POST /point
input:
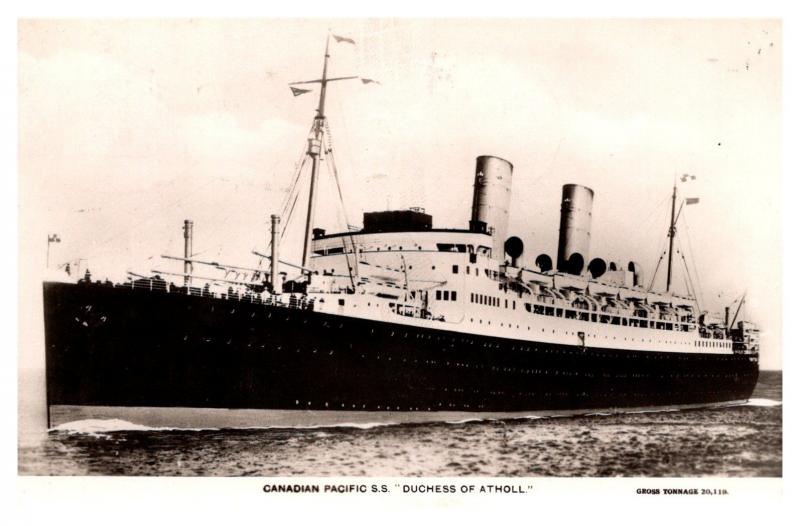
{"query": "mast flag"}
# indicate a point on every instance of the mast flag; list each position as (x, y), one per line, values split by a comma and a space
(299, 91)
(692, 200)
(343, 39)
(368, 81)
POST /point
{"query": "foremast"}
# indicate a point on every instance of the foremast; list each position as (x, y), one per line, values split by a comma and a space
(315, 150)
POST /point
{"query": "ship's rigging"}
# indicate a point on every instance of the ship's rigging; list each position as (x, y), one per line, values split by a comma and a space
(319, 151)
(319, 148)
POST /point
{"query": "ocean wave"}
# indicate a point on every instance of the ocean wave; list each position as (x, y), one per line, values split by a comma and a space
(468, 420)
(763, 402)
(102, 427)
(360, 425)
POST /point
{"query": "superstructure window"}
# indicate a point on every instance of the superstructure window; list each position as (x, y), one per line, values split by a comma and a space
(453, 296)
(447, 295)
(438, 294)
(449, 247)
(455, 269)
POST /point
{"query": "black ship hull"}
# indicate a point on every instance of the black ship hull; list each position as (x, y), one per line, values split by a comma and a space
(110, 346)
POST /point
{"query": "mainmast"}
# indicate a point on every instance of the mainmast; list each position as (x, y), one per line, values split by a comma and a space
(671, 235)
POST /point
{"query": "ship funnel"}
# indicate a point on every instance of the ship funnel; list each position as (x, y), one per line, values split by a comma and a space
(574, 233)
(490, 200)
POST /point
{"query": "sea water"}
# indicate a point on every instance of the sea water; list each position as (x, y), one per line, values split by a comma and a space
(740, 441)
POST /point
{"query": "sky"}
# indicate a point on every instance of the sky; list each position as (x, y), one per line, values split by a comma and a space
(126, 128)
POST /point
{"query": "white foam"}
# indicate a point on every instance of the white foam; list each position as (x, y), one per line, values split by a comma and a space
(361, 425)
(468, 420)
(763, 402)
(96, 426)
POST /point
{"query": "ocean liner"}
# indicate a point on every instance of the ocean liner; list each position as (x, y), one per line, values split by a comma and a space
(395, 321)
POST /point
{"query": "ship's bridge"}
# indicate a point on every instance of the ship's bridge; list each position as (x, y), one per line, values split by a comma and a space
(400, 245)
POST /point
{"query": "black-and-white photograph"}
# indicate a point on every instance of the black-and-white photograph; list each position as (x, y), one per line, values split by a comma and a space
(400, 247)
